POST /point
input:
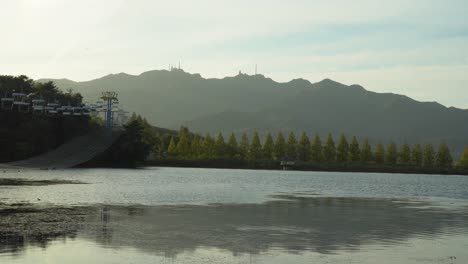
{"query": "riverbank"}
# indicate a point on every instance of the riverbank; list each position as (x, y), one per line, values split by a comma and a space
(302, 166)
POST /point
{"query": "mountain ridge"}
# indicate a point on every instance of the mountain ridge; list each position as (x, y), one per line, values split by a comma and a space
(244, 103)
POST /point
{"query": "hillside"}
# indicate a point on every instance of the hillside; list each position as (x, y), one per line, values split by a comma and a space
(246, 103)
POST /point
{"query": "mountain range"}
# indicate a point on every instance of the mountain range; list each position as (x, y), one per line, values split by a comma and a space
(247, 103)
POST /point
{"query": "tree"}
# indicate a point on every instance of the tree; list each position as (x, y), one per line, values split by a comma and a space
(329, 151)
(417, 156)
(379, 155)
(443, 157)
(232, 147)
(171, 149)
(404, 155)
(391, 156)
(291, 146)
(130, 147)
(366, 152)
(316, 149)
(342, 150)
(183, 146)
(303, 148)
(255, 150)
(268, 148)
(220, 147)
(428, 156)
(354, 151)
(280, 146)
(463, 162)
(207, 147)
(195, 147)
(244, 146)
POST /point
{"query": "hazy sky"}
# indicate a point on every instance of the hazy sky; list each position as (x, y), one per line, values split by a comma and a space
(418, 47)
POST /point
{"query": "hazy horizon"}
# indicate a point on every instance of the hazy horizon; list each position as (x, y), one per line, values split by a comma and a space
(419, 49)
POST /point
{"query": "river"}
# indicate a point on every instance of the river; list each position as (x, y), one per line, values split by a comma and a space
(183, 215)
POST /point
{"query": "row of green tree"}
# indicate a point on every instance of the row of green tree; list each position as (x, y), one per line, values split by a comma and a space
(36, 90)
(190, 146)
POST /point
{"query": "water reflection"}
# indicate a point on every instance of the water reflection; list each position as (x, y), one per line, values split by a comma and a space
(293, 223)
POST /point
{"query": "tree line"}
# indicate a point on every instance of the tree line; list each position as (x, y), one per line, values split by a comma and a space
(191, 146)
(35, 90)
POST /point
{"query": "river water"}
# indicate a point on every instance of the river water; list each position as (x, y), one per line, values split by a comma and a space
(175, 215)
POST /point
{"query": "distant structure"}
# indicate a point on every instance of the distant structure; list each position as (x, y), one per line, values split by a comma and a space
(110, 98)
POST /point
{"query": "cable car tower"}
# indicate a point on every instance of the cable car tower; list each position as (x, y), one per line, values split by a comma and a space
(110, 98)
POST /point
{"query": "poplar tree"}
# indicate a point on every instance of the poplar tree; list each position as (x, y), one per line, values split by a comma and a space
(379, 155)
(417, 156)
(404, 155)
(354, 151)
(303, 148)
(171, 149)
(366, 151)
(428, 156)
(329, 151)
(195, 147)
(342, 150)
(255, 150)
(443, 157)
(232, 147)
(244, 146)
(183, 146)
(268, 148)
(391, 156)
(207, 147)
(220, 147)
(463, 162)
(316, 149)
(291, 146)
(280, 146)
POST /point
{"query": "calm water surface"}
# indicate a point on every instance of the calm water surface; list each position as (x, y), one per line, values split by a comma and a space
(172, 215)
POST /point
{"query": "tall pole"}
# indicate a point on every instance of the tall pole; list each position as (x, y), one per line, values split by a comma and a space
(109, 98)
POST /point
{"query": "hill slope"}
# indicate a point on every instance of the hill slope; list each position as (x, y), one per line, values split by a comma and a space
(246, 103)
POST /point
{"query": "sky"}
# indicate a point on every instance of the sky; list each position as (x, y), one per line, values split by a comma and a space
(418, 48)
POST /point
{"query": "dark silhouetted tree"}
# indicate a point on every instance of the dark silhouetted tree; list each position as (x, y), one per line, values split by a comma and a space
(232, 147)
(280, 146)
(303, 148)
(391, 156)
(443, 157)
(329, 151)
(379, 155)
(220, 147)
(354, 151)
(291, 146)
(268, 148)
(342, 150)
(366, 151)
(417, 156)
(404, 155)
(244, 146)
(428, 156)
(463, 162)
(316, 149)
(255, 150)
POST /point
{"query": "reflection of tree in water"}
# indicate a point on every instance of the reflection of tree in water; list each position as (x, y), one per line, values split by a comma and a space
(295, 224)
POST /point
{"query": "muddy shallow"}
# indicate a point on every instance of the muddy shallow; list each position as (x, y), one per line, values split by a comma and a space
(289, 226)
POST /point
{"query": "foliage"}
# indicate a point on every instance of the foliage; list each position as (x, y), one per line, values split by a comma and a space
(304, 148)
(268, 148)
(379, 155)
(329, 150)
(354, 151)
(291, 146)
(443, 157)
(391, 156)
(316, 149)
(428, 156)
(342, 150)
(404, 155)
(280, 146)
(255, 149)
